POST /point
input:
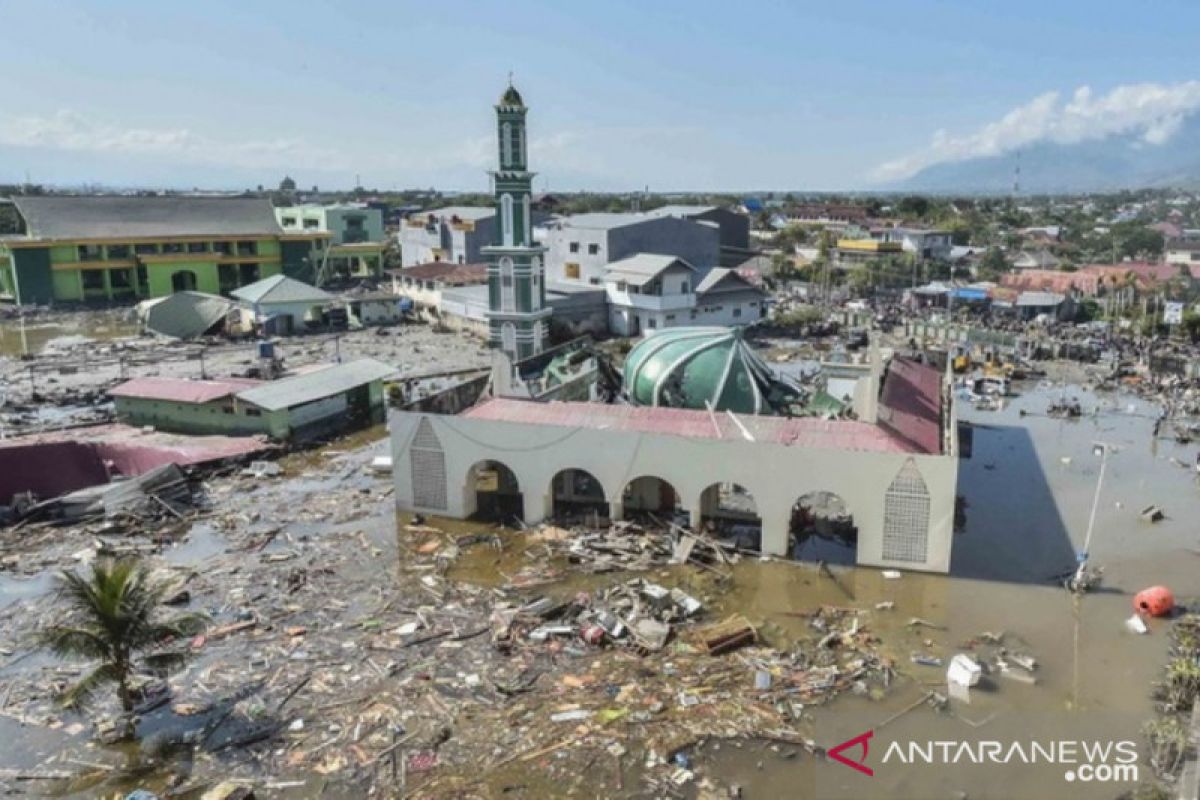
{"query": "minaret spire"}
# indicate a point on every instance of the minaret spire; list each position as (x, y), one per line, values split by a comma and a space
(517, 313)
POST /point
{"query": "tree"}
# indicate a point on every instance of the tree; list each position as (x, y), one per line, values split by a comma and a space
(993, 264)
(115, 617)
(913, 206)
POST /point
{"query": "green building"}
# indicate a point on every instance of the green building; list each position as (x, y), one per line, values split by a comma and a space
(314, 403)
(517, 312)
(357, 240)
(75, 249)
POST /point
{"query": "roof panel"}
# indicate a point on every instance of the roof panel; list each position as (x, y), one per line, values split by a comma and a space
(807, 432)
(317, 385)
(115, 217)
(181, 390)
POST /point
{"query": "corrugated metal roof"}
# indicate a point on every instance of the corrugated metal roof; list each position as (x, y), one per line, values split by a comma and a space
(181, 390)
(641, 268)
(300, 389)
(114, 217)
(281, 289)
(185, 314)
(911, 404)
(809, 432)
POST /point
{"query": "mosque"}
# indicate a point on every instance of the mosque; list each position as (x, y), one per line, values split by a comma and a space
(702, 432)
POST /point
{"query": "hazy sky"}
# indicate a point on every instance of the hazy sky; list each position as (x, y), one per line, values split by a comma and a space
(688, 95)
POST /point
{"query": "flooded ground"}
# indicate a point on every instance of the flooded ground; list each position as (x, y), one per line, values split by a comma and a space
(1029, 488)
(20, 337)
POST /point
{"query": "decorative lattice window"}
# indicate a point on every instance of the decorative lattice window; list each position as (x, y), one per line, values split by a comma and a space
(427, 461)
(906, 517)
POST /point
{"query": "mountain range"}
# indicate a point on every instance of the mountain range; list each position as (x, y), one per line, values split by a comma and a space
(1114, 163)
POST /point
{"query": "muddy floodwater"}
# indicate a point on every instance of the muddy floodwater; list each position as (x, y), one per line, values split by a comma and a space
(20, 337)
(1028, 486)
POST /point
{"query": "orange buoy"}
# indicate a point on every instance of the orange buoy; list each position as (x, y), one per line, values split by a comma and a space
(1157, 601)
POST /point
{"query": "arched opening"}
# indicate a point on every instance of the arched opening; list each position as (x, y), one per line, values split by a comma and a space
(183, 281)
(577, 494)
(651, 497)
(729, 511)
(496, 492)
(822, 529)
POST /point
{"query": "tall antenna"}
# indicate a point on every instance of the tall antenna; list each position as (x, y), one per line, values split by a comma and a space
(1016, 189)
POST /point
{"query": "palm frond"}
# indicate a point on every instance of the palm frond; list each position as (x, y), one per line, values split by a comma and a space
(84, 690)
(69, 641)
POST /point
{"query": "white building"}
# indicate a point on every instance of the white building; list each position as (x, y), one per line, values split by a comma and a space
(648, 292)
(455, 235)
(925, 243)
(1182, 251)
(580, 248)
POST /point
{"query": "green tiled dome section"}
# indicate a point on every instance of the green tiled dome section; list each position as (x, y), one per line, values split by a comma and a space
(692, 367)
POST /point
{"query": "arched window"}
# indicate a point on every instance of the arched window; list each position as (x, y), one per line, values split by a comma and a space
(508, 291)
(525, 218)
(506, 218)
(506, 145)
(508, 338)
(520, 146)
(906, 516)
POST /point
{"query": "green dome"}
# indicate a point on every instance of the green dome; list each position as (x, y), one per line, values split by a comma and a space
(693, 367)
(511, 97)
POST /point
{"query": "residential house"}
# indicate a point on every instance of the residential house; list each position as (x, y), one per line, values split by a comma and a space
(114, 248)
(1036, 259)
(424, 283)
(649, 292)
(1182, 251)
(291, 304)
(455, 235)
(581, 247)
(926, 244)
(356, 242)
(724, 297)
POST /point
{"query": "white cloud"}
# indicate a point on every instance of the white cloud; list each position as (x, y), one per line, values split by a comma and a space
(1152, 112)
(68, 130)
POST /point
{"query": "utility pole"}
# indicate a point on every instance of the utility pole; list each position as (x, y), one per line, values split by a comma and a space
(1079, 579)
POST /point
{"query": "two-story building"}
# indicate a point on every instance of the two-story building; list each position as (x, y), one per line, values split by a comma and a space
(926, 244)
(113, 248)
(356, 239)
(734, 228)
(581, 248)
(453, 235)
(648, 292)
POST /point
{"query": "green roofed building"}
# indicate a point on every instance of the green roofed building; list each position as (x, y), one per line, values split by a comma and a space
(702, 368)
(73, 249)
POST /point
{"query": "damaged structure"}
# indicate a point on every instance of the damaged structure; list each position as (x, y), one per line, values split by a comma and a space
(893, 468)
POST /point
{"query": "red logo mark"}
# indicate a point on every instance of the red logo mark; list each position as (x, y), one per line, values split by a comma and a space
(863, 739)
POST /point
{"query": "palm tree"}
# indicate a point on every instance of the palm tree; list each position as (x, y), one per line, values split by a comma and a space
(114, 617)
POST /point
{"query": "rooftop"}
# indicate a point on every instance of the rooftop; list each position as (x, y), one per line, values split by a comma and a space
(641, 268)
(181, 390)
(281, 289)
(64, 217)
(473, 213)
(603, 221)
(807, 432)
(446, 272)
(316, 385)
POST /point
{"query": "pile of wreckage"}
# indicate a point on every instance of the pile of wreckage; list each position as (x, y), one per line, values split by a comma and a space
(163, 492)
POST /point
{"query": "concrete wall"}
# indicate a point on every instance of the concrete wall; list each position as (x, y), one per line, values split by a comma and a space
(776, 475)
(695, 242)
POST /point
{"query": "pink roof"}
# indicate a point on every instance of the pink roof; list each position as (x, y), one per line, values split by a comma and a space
(181, 390)
(808, 432)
